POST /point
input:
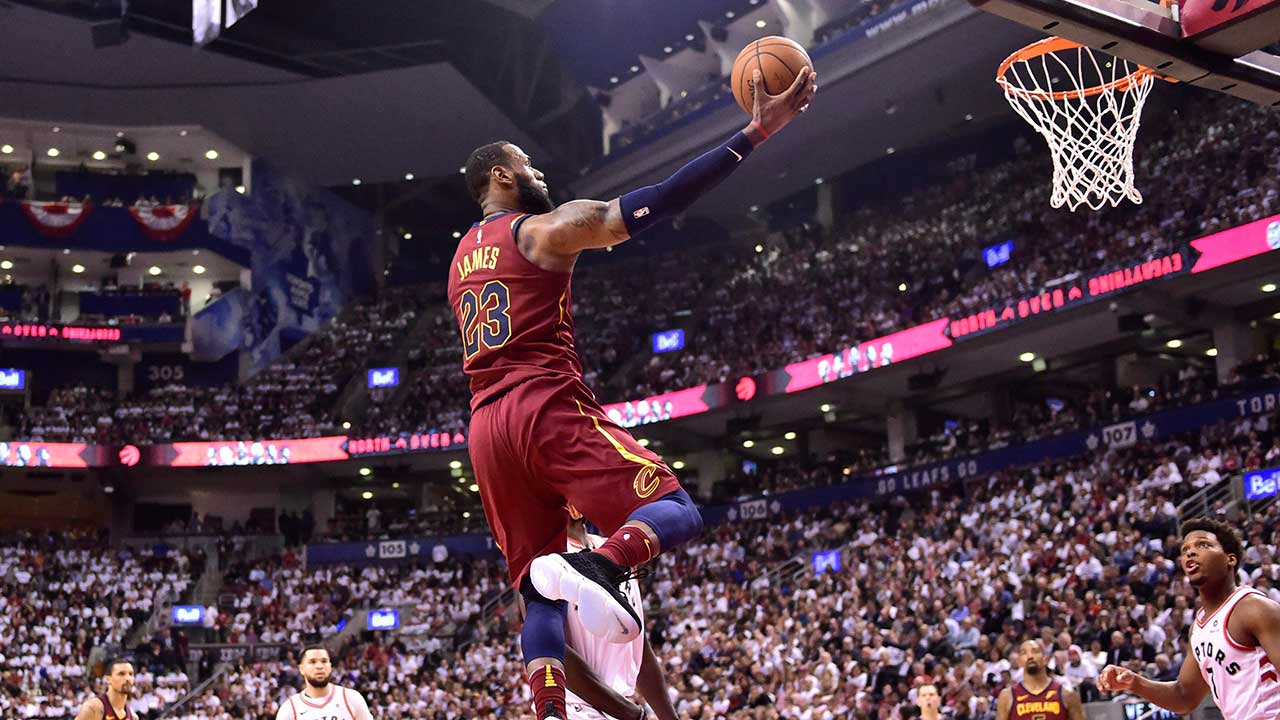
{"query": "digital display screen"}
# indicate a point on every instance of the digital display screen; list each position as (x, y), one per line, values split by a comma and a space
(60, 332)
(256, 452)
(384, 377)
(1261, 484)
(828, 561)
(187, 614)
(1135, 710)
(383, 619)
(668, 341)
(997, 255)
(13, 379)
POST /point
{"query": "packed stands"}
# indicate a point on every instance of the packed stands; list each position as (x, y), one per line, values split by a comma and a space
(68, 594)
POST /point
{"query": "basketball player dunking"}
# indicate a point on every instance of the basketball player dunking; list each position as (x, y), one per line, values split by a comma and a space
(1235, 640)
(1037, 697)
(538, 438)
(114, 703)
(321, 699)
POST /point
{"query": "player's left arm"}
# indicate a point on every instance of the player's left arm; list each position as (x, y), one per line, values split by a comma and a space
(587, 224)
(652, 685)
(1260, 620)
(1075, 708)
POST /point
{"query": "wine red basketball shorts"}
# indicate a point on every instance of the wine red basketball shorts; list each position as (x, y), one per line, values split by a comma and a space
(545, 443)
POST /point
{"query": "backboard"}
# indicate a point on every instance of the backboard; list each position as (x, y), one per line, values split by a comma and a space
(1213, 44)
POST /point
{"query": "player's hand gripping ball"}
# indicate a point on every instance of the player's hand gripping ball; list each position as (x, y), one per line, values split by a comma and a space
(773, 79)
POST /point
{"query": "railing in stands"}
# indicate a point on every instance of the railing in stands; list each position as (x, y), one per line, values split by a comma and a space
(195, 692)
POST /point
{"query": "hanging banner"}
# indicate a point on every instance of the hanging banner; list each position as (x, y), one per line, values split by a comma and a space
(237, 9)
(164, 223)
(55, 219)
(206, 21)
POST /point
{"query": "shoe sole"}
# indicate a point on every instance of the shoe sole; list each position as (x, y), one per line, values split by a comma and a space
(554, 578)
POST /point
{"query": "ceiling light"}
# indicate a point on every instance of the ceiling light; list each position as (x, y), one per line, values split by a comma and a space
(678, 465)
(818, 181)
(463, 170)
(198, 269)
(1276, 316)
(154, 270)
(635, 68)
(466, 514)
(968, 116)
(1027, 357)
(614, 79)
(754, 208)
(455, 464)
(689, 37)
(777, 450)
(728, 14)
(473, 487)
(902, 287)
(153, 156)
(1173, 344)
(759, 248)
(346, 425)
(395, 486)
(240, 189)
(99, 155)
(825, 407)
(791, 435)
(889, 151)
(119, 133)
(1211, 352)
(666, 49)
(456, 234)
(355, 181)
(408, 236)
(66, 251)
(408, 176)
(366, 472)
(183, 133)
(847, 471)
(644, 442)
(53, 152)
(684, 93)
(57, 129)
(6, 264)
(211, 154)
(7, 149)
(195, 252)
(1269, 287)
(77, 268)
(748, 444)
(761, 23)
(366, 495)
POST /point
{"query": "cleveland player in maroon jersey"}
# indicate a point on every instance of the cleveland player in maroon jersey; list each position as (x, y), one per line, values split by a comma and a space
(1038, 696)
(114, 703)
(538, 437)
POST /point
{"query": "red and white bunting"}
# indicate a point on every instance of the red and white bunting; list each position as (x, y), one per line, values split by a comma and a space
(55, 219)
(164, 223)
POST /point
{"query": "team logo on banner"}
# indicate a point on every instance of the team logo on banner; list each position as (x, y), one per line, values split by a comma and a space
(164, 223)
(55, 219)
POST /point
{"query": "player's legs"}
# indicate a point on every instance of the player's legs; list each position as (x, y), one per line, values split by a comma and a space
(527, 519)
(622, 488)
(543, 644)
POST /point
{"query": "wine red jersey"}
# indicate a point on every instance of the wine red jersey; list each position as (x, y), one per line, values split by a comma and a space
(516, 318)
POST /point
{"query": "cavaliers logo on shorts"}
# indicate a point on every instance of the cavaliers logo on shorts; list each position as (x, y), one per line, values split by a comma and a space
(647, 481)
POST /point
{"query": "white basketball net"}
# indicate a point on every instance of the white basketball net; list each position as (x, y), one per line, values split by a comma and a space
(1089, 117)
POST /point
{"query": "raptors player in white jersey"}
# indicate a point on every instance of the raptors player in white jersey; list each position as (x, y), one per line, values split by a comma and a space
(602, 675)
(321, 699)
(1235, 640)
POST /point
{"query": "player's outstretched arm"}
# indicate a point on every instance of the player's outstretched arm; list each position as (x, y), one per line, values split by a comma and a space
(652, 685)
(1180, 696)
(90, 709)
(587, 224)
(584, 683)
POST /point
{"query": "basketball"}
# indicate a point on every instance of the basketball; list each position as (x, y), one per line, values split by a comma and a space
(779, 61)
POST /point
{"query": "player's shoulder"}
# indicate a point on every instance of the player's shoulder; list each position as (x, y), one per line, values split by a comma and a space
(93, 702)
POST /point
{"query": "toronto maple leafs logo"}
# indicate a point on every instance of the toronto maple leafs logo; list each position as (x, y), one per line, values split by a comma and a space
(1148, 430)
(1091, 441)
